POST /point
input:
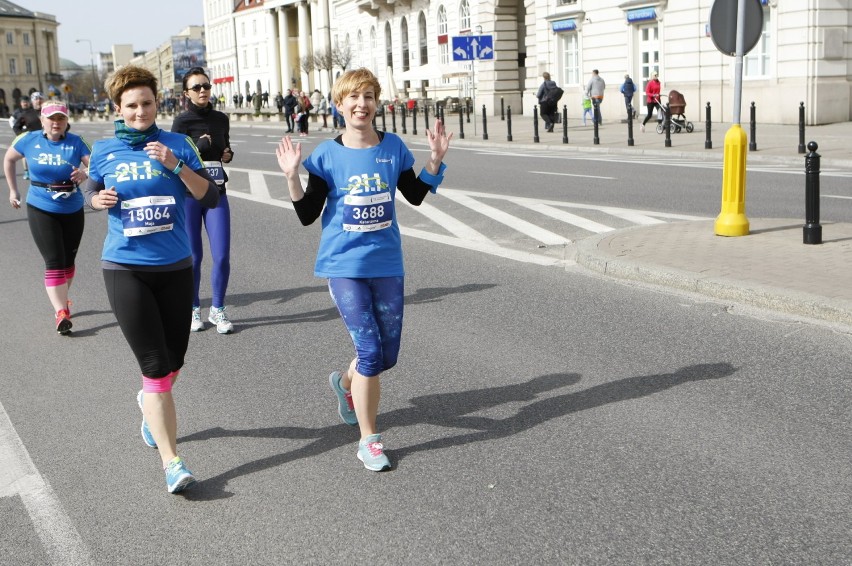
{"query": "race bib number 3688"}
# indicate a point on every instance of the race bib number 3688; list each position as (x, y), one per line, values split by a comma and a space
(367, 213)
(148, 215)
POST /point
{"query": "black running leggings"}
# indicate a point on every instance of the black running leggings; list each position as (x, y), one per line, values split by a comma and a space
(153, 309)
(652, 106)
(57, 236)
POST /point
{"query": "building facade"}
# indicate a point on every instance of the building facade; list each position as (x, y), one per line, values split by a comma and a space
(803, 52)
(29, 54)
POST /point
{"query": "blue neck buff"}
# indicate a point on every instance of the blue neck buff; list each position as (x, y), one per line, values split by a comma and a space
(135, 137)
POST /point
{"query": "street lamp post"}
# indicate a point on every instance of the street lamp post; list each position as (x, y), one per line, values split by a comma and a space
(94, 76)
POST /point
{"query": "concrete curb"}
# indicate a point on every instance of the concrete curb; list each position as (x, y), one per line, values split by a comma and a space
(590, 256)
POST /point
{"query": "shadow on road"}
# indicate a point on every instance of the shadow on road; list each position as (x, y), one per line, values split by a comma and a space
(449, 410)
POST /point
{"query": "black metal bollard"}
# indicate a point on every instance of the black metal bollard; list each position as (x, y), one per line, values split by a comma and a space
(595, 115)
(564, 124)
(812, 231)
(461, 124)
(535, 124)
(502, 110)
(404, 131)
(393, 120)
(752, 143)
(509, 123)
(384, 126)
(442, 115)
(414, 121)
(426, 115)
(801, 127)
(484, 124)
(708, 143)
(630, 126)
(467, 112)
(667, 125)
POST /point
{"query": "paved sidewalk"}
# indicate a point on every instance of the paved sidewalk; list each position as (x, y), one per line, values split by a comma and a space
(770, 268)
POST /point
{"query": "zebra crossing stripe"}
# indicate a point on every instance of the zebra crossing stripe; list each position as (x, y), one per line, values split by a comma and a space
(544, 236)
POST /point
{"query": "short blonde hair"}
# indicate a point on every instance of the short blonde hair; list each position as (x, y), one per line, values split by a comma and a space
(127, 77)
(355, 80)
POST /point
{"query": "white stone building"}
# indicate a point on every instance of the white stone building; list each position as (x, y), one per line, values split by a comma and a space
(804, 53)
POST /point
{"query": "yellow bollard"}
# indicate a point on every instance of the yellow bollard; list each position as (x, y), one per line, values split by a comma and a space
(732, 220)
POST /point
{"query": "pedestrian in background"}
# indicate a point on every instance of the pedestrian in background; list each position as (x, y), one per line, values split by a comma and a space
(628, 88)
(57, 164)
(146, 260)
(595, 89)
(652, 98)
(547, 107)
(290, 103)
(587, 108)
(210, 130)
(353, 181)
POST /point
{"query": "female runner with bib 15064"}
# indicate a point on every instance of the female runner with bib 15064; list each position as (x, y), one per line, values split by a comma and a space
(142, 176)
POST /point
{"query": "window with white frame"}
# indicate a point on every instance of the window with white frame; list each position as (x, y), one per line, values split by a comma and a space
(570, 58)
(756, 62)
(464, 16)
(359, 49)
(10, 38)
(403, 39)
(26, 38)
(421, 38)
(13, 67)
(443, 27)
(374, 49)
(388, 46)
(28, 66)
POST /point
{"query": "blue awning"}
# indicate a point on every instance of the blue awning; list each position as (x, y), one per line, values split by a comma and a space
(641, 15)
(564, 25)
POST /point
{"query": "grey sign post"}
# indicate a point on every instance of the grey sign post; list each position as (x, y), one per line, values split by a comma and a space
(735, 28)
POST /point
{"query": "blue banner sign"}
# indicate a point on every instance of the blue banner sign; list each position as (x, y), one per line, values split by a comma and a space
(641, 15)
(564, 25)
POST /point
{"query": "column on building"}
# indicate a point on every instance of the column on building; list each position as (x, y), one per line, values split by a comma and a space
(304, 42)
(286, 68)
(324, 30)
(274, 55)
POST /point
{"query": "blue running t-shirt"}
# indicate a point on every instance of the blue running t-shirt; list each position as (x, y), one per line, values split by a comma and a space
(360, 234)
(146, 227)
(52, 162)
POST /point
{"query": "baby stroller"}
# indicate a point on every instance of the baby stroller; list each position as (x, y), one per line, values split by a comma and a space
(677, 106)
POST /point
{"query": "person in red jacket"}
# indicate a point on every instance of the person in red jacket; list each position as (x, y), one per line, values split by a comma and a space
(652, 98)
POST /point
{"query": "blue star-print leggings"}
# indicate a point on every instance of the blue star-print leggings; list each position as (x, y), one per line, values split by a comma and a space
(372, 312)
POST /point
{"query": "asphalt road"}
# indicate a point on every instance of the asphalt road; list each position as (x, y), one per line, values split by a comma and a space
(539, 414)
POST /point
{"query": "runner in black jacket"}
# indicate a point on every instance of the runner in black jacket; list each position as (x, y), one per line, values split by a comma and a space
(210, 130)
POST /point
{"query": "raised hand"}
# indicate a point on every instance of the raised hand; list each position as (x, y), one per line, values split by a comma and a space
(289, 156)
(439, 141)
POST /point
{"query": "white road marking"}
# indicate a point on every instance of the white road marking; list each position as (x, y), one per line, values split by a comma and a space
(528, 228)
(19, 476)
(567, 217)
(257, 184)
(573, 175)
(485, 247)
(457, 228)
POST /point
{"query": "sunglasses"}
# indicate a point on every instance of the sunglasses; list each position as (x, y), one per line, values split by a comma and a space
(197, 88)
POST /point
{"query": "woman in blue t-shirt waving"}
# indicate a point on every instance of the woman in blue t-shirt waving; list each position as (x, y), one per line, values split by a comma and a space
(355, 178)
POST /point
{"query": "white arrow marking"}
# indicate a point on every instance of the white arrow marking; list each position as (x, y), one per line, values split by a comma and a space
(460, 52)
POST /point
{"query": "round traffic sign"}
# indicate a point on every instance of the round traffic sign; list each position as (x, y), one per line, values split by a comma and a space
(723, 25)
